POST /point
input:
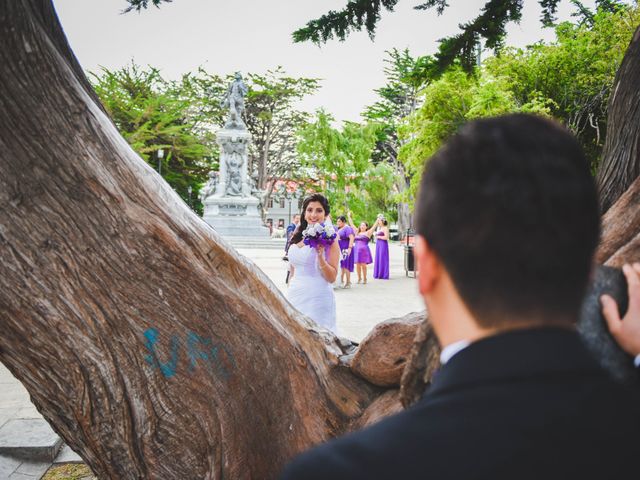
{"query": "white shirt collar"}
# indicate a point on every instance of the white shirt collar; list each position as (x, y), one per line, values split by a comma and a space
(450, 350)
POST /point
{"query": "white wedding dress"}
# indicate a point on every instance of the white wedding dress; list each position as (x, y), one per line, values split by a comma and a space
(308, 291)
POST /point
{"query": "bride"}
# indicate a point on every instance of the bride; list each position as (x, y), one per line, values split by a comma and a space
(313, 270)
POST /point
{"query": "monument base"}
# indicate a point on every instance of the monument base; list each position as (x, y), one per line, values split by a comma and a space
(235, 216)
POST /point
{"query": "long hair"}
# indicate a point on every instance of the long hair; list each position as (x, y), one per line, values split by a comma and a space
(314, 197)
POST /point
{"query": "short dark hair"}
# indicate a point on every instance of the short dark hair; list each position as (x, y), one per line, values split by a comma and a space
(342, 218)
(314, 197)
(509, 206)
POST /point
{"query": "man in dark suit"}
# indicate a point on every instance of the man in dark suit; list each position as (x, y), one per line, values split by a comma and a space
(507, 220)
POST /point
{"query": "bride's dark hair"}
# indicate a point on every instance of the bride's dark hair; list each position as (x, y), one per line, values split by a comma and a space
(314, 197)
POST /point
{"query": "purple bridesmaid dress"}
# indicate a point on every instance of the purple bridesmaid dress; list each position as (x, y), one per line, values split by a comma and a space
(363, 254)
(343, 241)
(381, 265)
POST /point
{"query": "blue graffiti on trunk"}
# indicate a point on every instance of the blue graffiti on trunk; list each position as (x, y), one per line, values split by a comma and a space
(216, 358)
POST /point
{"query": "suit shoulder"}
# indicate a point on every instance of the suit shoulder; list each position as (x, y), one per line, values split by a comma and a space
(374, 452)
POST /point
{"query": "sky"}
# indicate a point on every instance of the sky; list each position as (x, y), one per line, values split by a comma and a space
(255, 35)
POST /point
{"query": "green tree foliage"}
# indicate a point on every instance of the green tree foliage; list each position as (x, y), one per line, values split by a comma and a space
(204, 91)
(489, 25)
(138, 5)
(575, 73)
(569, 79)
(447, 104)
(338, 163)
(182, 116)
(356, 15)
(273, 119)
(379, 189)
(398, 99)
(151, 114)
(271, 115)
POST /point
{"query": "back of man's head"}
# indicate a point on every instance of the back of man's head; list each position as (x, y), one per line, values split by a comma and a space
(510, 208)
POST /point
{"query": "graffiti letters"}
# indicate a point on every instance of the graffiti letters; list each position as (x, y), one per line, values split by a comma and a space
(199, 352)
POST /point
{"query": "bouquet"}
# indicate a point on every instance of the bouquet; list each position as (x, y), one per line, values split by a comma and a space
(319, 234)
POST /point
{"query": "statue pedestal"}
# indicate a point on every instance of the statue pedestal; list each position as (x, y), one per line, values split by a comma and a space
(235, 216)
(234, 177)
(229, 206)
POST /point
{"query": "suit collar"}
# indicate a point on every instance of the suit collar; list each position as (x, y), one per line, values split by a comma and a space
(515, 354)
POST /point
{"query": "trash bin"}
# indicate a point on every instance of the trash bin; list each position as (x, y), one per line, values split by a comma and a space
(409, 260)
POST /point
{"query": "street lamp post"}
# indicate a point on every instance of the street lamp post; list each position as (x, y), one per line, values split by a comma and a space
(160, 157)
(289, 197)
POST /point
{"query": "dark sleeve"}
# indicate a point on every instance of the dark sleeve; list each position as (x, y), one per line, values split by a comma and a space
(320, 463)
(300, 468)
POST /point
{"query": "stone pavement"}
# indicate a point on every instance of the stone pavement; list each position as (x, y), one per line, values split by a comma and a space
(27, 442)
(28, 445)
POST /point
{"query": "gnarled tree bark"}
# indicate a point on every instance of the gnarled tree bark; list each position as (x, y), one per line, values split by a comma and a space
(621, 154)
(153, 348)
(621, 230)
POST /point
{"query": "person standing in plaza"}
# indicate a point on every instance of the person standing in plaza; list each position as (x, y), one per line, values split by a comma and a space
(336, 282)
(292, 226)
(381, 264)
(313, 270)
(362, 253)
(346, 237)
(290, 229)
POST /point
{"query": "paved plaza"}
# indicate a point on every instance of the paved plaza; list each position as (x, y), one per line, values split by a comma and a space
(362, 306)
(359, 309)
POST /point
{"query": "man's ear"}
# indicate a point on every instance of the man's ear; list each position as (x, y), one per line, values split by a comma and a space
(429, 266)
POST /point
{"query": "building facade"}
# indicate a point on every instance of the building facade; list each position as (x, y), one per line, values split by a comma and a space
(281, 209)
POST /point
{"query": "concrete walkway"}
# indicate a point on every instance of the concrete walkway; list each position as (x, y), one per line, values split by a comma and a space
(362, 306)
(359, 309)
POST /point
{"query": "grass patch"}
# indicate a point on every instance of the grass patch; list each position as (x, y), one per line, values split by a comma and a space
(69, 471)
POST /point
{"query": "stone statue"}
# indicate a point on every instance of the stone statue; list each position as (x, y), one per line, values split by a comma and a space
(231, 205)
(234, 159)
(209, 188)
(255, 191)
(234, 101)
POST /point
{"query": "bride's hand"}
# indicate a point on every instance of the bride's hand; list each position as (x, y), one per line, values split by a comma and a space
(320, 249)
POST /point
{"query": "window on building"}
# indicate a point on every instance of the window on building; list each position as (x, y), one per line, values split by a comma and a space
(270, 205)
(282, 203)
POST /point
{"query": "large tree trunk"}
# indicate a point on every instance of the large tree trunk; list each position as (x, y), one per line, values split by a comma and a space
(618, 176)
(621, 230)
(621, 154)
(404, 219)
(404, 212)
(153, 348)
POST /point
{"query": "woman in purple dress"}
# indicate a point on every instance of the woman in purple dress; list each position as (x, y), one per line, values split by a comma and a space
(362, 256)
(346, 237)
(381, 265)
